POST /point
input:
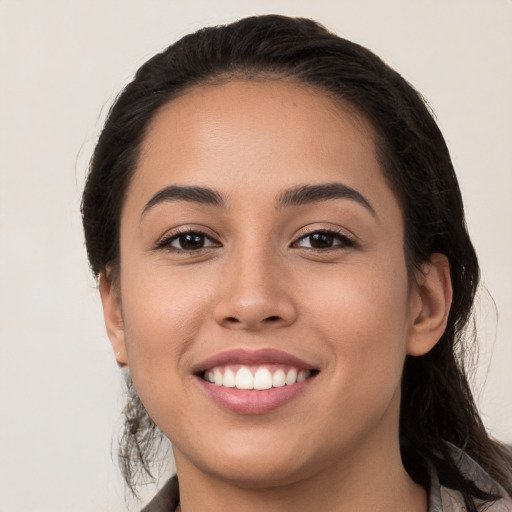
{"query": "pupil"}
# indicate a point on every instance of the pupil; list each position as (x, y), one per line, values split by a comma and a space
(321, 240)
(191, 241)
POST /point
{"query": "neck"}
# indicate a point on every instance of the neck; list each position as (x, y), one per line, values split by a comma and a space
(372, 480)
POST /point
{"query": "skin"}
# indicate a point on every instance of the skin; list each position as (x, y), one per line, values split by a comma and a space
(349, 310)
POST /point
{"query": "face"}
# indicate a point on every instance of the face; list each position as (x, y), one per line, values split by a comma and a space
(261, 246)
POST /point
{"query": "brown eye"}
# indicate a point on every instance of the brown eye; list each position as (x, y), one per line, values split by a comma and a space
(324, 240)
(192, 241)
(321, 240)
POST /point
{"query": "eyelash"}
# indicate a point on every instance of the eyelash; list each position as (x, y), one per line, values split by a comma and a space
(345, 242)
(167, 241)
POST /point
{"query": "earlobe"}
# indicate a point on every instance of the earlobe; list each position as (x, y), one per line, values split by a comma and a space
(113, 318)
(433, 297)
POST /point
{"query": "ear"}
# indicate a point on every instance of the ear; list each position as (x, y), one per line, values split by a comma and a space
(111, 301)
(431, 300)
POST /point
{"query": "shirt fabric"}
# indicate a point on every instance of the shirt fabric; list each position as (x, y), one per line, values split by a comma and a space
(441, 499)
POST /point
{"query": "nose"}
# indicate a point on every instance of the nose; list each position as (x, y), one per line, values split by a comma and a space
(254, 294)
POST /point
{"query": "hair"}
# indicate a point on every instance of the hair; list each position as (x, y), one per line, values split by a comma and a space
(437, 407)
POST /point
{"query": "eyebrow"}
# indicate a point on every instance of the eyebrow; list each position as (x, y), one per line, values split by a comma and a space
(303, 194)
(306, 194)
(202, 195)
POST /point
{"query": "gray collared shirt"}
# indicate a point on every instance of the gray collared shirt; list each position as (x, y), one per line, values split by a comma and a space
(441, 499)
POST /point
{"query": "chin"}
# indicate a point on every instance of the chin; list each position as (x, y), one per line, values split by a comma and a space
(259, 474)
(264, 464)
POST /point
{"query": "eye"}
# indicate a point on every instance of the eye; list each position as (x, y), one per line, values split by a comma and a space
(188, 241)
(324, 240)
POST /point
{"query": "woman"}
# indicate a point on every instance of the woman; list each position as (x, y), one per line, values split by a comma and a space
(284, 267)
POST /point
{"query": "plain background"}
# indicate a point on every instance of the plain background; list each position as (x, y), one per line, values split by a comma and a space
(62, 63)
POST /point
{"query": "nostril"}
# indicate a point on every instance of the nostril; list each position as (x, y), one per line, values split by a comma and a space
(232, 320)
(272, 319)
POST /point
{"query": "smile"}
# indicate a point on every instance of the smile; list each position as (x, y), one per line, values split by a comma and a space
(255, 377)
(252, 382)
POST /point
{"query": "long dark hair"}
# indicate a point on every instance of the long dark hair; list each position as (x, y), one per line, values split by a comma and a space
(437, 407)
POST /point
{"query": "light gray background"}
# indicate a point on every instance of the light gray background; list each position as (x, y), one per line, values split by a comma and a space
(62, 62)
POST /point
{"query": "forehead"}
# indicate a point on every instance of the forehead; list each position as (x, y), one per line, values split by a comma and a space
(265, 135)
(239, 109)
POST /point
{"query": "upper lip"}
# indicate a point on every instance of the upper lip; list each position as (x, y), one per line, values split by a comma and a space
(248, 357)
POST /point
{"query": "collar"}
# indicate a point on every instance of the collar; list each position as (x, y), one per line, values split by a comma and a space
(441, 499)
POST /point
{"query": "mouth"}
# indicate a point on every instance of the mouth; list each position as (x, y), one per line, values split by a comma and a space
(256, 377)
(254, 382)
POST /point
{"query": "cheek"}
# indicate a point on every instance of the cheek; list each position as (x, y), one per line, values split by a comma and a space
(359, 296)
(364, 316)
(163, 314)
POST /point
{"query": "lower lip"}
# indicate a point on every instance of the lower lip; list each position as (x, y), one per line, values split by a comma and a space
(252, 402)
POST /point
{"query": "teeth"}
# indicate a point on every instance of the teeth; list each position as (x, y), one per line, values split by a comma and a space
(244, 379)
(262, 378)
(303, 375)
(291, 377)
(278, 379)
(217, 377)
(229, 380)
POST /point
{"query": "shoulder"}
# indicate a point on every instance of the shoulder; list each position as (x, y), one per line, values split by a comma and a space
(167, 499)
(444, 499)
(452, 501)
